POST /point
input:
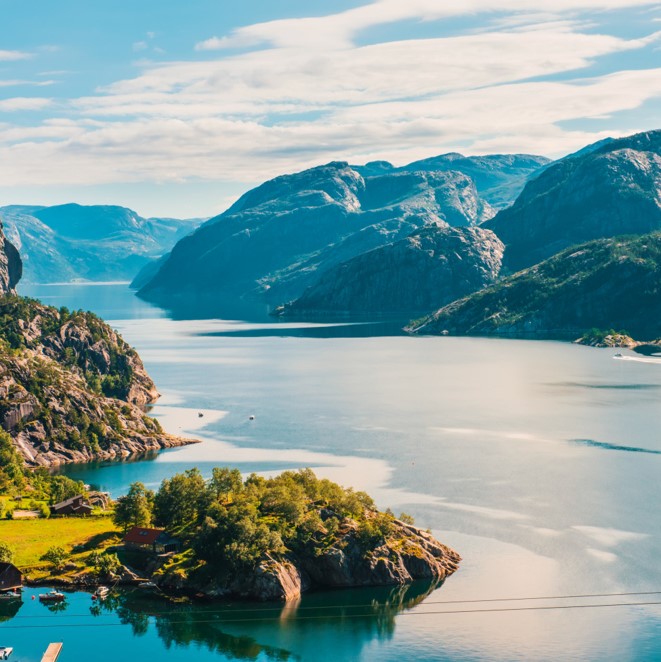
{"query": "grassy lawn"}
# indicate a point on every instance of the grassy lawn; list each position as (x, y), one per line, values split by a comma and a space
(30, 539)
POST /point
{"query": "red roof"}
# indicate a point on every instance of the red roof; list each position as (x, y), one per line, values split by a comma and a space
(141, 536)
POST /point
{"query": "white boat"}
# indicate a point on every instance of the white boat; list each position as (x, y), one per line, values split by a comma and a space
(10, 595)
(100, 593)
(147, 585)
(52, 596)
(5, 652)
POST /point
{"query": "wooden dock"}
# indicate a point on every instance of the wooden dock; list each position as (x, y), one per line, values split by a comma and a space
(52, 652)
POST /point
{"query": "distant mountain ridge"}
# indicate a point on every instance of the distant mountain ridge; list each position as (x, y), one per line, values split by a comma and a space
(97, 242)
(278, 238)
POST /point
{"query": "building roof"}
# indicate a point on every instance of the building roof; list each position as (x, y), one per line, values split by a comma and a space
(68, 502)
(6, 566)
(141, 536)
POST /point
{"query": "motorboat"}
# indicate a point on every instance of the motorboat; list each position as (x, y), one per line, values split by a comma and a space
(10, 595)
(150, 586)
(101, 593)
(5, 652)
(51, 596)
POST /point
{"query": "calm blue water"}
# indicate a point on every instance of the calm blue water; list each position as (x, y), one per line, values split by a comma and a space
(538, 461)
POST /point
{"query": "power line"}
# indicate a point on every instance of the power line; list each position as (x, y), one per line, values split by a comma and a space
(219, 621)
(285, 607)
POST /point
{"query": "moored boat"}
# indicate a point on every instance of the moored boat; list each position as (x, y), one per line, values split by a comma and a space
(5, 652)
(52, 596)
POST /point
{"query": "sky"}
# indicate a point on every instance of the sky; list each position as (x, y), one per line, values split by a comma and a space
(175, 108)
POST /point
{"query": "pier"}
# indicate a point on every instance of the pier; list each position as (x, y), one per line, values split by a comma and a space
(52, 652)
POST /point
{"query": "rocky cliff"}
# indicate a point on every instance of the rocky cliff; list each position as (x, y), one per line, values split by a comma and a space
(406, 554)
(280, 237)
(421, 272)
(96, 242)
(606, 191)
(71, 389)
(606, 283)
(11, 265)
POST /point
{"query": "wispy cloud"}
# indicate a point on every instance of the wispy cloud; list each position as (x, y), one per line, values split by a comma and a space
(12, 56)
(24, 103)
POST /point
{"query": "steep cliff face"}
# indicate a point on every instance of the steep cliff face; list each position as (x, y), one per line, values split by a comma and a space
(71, 389)
(606, 283)
(424, 271)
(11, 266)
(612, 190)
(280, 237)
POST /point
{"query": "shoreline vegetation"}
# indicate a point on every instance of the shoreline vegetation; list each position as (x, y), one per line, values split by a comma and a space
(253, 538)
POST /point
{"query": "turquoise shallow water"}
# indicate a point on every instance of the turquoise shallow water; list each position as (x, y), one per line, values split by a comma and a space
(538, 461)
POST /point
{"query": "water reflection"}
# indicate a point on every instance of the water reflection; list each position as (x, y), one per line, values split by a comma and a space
(9, 609)
(362, 614)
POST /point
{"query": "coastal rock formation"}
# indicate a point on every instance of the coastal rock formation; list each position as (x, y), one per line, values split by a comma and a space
(71, 389)
(422, 272)
(408, 553)
(609, 190)
(277, 239)
(96, 242)
(606, 283)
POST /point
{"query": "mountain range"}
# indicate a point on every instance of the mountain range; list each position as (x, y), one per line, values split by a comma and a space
(281, 237)
(99, 242)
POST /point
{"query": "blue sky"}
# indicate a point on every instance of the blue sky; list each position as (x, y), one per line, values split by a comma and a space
(176, 108)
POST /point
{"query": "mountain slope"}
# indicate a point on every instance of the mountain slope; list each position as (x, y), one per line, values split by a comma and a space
(68, 242)
(612, 190)
(606, 283)
(278, 238)
(499, 178)
(421, 272)
(71, 389)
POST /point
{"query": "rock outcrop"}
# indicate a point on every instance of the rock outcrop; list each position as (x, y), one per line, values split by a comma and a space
(609, 190)
(279, 238)
(420, 273)
(71, 389)
(406, 554)
(604, 284)
(97, 242)
(11, 265)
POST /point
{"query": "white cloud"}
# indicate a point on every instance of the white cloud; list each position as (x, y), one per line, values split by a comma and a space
(11, 56)
(24, 103)
(140, 46)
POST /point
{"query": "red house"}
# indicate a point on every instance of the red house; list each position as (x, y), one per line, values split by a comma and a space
(152, 540)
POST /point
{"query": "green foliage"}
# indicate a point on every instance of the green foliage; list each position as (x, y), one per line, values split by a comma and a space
(373, 531)
(57, 556)
(135, 508)
(406, 518)
(12, 478)
(180, 499)
(6, 553)
(105, 564)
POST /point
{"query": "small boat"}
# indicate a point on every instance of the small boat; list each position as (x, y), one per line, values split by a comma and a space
(251, 417)
(100, 593)
(10, 595)
(52, 596)
(5, 652)
(147, 585)
(617, 356)
(200, 414)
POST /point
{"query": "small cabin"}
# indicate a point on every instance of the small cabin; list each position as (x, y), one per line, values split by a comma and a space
(157, 541)
(77, 505)
(11, 578)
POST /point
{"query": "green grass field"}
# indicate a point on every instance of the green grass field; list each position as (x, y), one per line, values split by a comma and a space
(30, 539)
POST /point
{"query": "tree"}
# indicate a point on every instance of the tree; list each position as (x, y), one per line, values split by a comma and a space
(180, 499)
(225, 482)
(6, 553)
(56, 556)
(105, 565)
(63, 488)
(134, 509)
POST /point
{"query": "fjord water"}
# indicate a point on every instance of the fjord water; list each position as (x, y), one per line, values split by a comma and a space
(538, 462)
